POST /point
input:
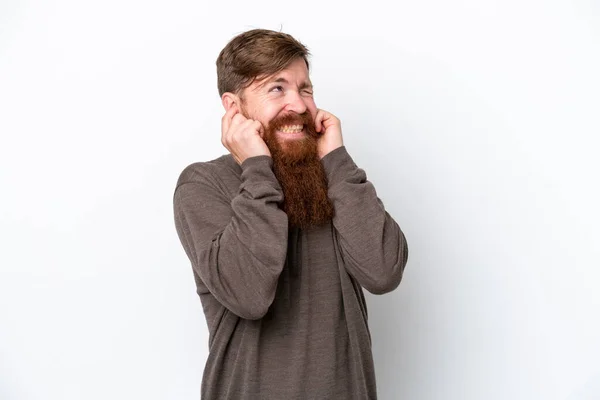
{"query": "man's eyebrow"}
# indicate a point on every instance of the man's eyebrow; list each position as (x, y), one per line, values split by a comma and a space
(306, 85)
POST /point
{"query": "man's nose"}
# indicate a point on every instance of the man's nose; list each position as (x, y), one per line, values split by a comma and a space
(295, 103)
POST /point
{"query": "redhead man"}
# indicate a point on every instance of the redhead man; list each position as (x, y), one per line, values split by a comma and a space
(283, 233)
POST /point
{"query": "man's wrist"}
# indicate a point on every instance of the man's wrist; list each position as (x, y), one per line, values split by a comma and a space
(324, 153)
(338, 165)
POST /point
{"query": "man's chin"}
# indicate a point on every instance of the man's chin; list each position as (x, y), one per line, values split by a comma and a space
(294, 143)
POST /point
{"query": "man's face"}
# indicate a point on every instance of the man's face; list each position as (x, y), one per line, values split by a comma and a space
(283, 103)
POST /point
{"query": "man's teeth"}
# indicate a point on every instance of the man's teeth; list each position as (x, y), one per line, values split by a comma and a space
(291, 129)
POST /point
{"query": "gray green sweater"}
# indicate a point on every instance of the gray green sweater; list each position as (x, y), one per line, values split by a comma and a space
(285, 310)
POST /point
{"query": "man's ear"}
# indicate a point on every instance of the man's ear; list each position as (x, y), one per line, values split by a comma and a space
(229, 100)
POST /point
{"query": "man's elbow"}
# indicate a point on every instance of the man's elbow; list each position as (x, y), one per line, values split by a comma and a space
(252, 313)
(384, 284)
(254, 308)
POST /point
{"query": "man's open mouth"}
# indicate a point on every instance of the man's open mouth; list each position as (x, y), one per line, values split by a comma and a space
(291, 128)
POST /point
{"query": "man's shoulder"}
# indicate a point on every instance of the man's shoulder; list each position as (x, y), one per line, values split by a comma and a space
(203, 171)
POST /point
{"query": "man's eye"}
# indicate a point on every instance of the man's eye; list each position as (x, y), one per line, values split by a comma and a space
(277, 89)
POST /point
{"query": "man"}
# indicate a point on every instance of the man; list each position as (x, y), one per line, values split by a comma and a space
(283, 233)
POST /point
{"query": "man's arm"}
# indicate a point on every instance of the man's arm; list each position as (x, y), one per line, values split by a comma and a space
(237, 248)
(374, 248)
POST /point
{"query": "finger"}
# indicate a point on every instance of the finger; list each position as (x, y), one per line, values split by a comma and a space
(238, 130)
(250, 127)
(258, 126)
(234, 127)
(237, 120)
(318, 120)
(226, 120)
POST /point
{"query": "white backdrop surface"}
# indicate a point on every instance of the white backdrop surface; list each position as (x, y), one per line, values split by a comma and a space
(477, 121)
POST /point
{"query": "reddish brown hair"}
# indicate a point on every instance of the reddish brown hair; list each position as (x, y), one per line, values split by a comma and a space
(255, 54)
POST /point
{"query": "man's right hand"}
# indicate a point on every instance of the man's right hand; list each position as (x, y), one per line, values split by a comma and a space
(242, 136)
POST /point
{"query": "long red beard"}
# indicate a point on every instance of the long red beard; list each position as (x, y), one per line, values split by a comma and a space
(300, 172)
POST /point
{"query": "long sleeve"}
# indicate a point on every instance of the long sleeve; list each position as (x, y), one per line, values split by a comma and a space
(372, 245)
(237, 247)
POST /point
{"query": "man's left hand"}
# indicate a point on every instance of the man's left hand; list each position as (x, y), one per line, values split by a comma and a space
(330, 128)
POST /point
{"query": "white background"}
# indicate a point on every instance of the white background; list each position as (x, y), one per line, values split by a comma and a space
(477, 121)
